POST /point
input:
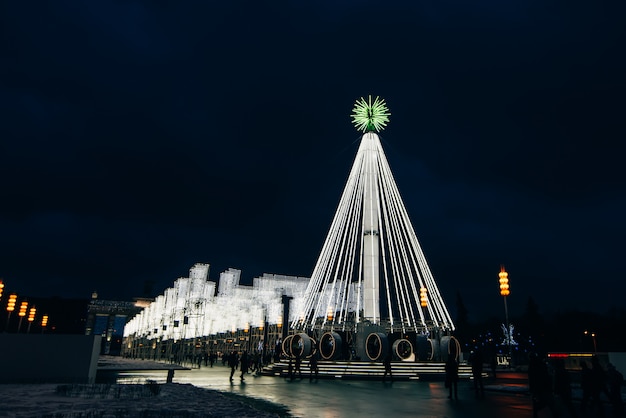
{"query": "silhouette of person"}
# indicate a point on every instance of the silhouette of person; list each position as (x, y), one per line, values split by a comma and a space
(278, 347)
(540, 385)
(597, 385)
(494, 364)
(452, 376)
(244, 364)
(476, 359)
(313, 366)
(387, 364)
(585, 384)
(563, 385)
(233, 361)
(290, 368)
(614, 380)
(298, 365)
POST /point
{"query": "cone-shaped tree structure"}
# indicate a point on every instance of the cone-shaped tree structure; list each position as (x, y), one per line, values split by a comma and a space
(371, 268)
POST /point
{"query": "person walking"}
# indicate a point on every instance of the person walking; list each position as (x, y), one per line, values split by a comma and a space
(313, 367)
(615, 380)
(452, 376)
(245, 364)
(476, 359)
(585, 385)
(387, 364)
(298, 365)
(540, 385)
(597, 386)
(290, 369)
(233, 361)
(563, 385)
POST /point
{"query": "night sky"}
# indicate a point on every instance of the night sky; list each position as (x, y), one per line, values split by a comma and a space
(139, 138)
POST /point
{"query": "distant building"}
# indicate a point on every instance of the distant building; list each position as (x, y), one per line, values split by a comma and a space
(108, 318)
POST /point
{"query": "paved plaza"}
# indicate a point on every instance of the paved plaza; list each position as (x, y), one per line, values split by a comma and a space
(507, 397)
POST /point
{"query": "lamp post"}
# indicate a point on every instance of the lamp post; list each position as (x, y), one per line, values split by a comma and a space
(31, 318)
(10, 308)
(593, 338)
(504, 291)
(22, 314)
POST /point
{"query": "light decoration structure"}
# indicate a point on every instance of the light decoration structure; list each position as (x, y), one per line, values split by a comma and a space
(508, 339)
(211, 309)
(1, 288)
(371, 266)
(371, 270)
(368, 116)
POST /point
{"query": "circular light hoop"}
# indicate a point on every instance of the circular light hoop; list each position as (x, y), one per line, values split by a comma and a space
(376, 346)
(403, 349)
(423, 347)
(432, 349)
(330, 345)
(300, 345)
(450, 347)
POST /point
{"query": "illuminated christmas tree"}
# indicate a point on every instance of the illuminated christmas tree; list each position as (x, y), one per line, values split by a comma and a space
(371, 268)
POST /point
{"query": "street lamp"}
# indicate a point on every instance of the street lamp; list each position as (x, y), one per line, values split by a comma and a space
(504, 292)
(10, 307)
(22, 314)
(31, 318)
(593, 338)
(44, 323)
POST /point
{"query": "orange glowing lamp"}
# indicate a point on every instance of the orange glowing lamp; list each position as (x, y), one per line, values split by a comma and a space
(23, 308)
(423, 298)
(31, 314)
(12, 302)
(504, 282)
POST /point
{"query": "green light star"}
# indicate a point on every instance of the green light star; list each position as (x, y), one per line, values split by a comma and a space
(368, 116)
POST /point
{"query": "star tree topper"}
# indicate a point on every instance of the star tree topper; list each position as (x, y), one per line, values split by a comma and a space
(368, 116)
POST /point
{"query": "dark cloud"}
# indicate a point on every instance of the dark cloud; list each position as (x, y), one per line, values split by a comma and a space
(139, 138)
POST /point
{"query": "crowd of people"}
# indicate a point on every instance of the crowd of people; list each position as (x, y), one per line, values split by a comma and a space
(552, 383)
(549, 383)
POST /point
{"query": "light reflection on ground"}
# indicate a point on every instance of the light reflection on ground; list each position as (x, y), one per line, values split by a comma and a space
(337, 398)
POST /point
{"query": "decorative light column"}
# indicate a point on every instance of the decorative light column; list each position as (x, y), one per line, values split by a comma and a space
(44, 323)
(504, 291)
(31, 317)
(22, 314)
(423, 298)
(10, 307)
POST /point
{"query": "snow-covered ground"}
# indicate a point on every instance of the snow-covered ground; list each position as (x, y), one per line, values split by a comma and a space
(133, 400)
